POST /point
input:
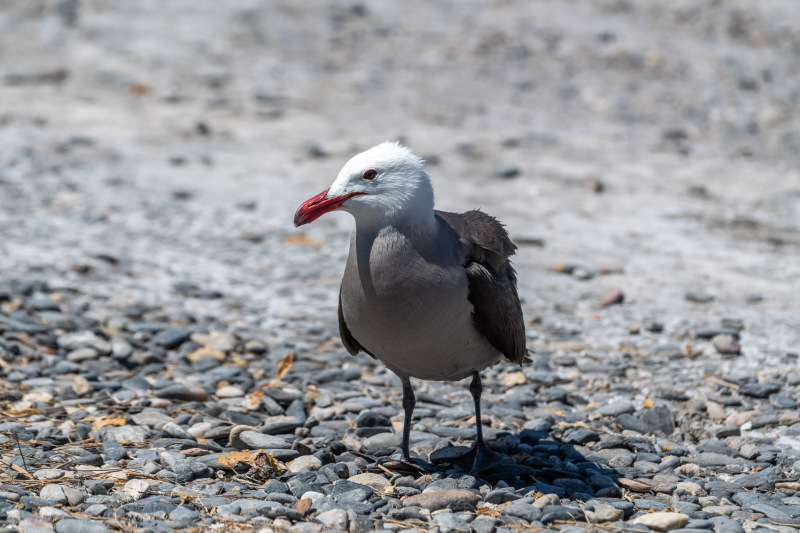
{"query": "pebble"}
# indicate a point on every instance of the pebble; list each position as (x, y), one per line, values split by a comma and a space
(170, 338)
(333, 519)
(602, 513)
(382, 440)
(727, 431)
(375, 481)
(726, 344)
(698, 296)
(760, 390)
(63, 494)
(441, 499)
(308, 462)
(182, 393)
(71, 525)
(32, 524)
(448, 522)
(662, 521)
(506, 171)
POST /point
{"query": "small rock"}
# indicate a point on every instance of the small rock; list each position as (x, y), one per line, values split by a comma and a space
(314, 149)
(382, 440)
(484, 524)
(47, 474)
(654, 326)
(506, 171)
(85, 339)
(81, 354)
(762, 421)
(376, 482)
(782, 401)
(152, 418)
(216, 340)
(134, 434)
(441, 499)
(254, 440)
(581, 436)
(183, 514)
(303, 505)
(692, 489)
(689, 470)
(305, 461)
(229, 391)
(449, 522)
(616, 408)
(604, 513)
(698, 296)
(63, 494)
(760, 390)
(663, 521)
(182, 392)
(633, 486)
(71, 525)
(727, 431)
(81, 386)
(726, 344)
(612, 297)
(170, 338)
(333, 519)
(136, 488)
(33, 524)
(545, 500)
(749, 451)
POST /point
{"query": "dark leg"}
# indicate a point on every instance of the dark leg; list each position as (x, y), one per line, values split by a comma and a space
(482, 452)
(476, 388)
(409, 401)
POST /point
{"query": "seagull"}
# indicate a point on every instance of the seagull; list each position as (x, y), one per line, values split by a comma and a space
(429, 293)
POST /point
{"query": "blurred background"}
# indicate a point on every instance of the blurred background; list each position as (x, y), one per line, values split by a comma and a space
(150, 149)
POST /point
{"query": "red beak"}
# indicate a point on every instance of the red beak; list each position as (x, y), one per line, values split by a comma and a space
(315, 207)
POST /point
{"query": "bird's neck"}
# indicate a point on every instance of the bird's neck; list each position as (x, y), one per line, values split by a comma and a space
(419, 227)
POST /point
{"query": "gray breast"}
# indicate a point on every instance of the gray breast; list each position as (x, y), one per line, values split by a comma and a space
(405, 298)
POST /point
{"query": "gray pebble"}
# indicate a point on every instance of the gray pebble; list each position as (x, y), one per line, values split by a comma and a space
(71, 525)
(506, 171)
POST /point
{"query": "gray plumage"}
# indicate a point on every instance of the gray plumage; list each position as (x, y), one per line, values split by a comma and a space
(436, 304)
(429, 293)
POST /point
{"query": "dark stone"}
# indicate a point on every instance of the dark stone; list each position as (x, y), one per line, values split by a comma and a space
(170, 338)
(506, 171)
(558, 513)
(628, 421)
(710, 333)
(370, 419)
(760, 390)
(659, 418)
(573, 486)
(581, 436)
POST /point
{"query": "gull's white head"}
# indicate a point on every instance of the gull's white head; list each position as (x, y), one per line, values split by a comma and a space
(385, 184)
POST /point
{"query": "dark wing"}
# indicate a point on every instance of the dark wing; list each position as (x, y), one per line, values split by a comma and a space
(350, 343)
(497, 311)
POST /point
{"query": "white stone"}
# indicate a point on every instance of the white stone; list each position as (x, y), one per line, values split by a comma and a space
(52, 512)
(230, 391)
(305, 461)
(665, 521)
(136, 488)
(334, 519)
(199, 429)
(312, 495)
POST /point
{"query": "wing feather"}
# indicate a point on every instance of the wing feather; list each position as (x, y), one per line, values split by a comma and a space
(497, 311)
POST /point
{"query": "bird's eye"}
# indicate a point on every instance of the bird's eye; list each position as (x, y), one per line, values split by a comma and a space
(370, 174)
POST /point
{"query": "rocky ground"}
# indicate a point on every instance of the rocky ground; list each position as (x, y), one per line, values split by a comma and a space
(165, 331)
